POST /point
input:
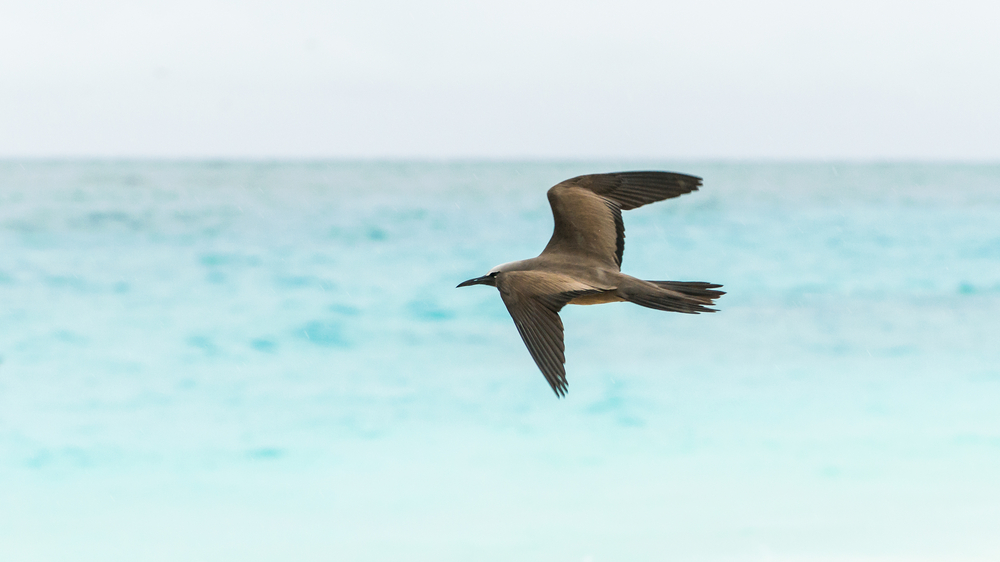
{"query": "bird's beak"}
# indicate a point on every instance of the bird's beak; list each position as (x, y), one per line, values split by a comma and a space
(484, 280)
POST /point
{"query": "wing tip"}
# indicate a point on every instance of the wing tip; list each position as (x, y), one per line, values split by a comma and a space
(560, 388)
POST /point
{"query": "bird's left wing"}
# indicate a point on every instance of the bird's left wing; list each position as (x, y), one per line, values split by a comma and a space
(588, 210)
(534, 299)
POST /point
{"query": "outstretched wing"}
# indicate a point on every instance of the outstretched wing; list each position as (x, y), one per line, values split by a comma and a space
(587, 210)
(534, 299)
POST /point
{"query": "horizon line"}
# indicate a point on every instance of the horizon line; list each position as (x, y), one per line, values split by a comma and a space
(487, 160)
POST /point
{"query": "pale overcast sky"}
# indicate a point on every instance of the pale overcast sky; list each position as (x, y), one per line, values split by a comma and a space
(867, 79)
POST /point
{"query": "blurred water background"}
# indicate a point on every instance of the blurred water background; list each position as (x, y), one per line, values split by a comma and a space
(270, 361)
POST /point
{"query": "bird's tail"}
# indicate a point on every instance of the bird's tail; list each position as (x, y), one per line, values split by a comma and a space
(704, 292)
(690, 297)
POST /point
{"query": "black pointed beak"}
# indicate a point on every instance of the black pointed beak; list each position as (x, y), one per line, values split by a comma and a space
(484, 280)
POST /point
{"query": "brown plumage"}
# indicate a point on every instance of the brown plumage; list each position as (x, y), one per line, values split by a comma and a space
(582, 263)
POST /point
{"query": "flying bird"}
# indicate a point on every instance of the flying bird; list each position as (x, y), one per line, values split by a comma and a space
(582, 263)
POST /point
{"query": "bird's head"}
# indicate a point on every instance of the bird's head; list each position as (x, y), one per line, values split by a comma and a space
(488, 279)
(491, 277)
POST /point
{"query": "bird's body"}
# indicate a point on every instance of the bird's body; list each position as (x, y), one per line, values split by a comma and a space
(582, 263)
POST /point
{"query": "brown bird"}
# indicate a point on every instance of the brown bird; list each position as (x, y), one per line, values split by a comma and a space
(582, 263)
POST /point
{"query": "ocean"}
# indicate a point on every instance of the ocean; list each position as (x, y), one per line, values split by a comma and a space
(270, 361)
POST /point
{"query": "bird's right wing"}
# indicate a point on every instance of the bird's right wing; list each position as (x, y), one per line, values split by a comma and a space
(534, 299)
(587, 210)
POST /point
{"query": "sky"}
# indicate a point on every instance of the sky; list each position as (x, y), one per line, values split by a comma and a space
(540, 79)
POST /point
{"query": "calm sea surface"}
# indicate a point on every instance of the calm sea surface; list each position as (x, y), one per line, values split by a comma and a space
(270, 361)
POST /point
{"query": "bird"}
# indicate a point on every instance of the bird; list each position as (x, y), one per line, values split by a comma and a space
(581, 264)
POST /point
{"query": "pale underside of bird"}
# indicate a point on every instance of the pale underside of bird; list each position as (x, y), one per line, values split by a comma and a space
(582, 263)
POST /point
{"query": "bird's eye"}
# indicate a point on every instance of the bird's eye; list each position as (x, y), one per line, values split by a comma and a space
(493, 273)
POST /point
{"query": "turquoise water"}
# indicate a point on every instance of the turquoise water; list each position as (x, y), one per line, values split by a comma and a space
(263, 361)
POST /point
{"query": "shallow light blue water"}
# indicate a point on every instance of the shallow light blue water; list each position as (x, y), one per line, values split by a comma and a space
(263, 361)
